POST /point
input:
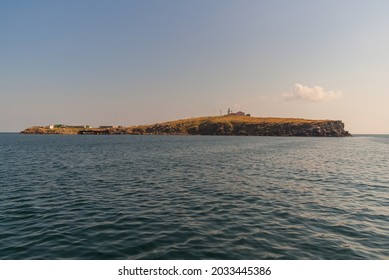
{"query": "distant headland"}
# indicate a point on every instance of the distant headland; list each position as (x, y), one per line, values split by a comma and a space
(231, 124)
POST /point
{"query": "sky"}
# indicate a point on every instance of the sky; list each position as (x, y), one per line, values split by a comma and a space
(117, 62)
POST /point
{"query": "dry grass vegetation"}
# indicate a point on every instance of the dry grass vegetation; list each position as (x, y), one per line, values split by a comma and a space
(211, 124)
(183, 126)
(235, 119)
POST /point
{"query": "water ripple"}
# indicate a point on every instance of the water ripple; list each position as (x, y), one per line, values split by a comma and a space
(155, 197)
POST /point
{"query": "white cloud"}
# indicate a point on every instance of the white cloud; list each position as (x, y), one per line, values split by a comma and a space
(315, 94)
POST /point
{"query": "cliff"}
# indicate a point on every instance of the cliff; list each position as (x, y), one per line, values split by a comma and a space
(223, 125)
(47, 130)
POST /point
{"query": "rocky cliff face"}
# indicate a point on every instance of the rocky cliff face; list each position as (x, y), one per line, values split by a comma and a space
(324, 129)
(335, 128)
(46, 130)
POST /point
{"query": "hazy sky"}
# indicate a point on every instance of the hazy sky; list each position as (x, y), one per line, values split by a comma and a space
(137, 62)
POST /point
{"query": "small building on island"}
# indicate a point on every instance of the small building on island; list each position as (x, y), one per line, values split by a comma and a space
(239, 113)
(69, 126)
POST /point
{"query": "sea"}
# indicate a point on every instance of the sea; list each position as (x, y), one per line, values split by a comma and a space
(193, 197)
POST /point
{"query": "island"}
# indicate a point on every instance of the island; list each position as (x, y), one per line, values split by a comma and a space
(231, 124)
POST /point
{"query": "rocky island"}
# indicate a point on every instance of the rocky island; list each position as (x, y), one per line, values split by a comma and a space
(215, 125)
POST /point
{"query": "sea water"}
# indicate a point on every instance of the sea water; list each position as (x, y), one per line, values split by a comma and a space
(193, 197)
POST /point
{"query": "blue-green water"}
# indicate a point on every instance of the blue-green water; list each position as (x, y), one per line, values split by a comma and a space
(195, 197)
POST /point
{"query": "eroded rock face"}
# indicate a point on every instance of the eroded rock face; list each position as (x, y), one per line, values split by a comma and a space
(42, 130)
(323, 129)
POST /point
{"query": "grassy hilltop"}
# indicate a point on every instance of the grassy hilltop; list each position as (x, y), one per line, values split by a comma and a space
(233, 119)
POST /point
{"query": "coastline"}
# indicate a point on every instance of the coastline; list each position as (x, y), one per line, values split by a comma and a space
(219, 125)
